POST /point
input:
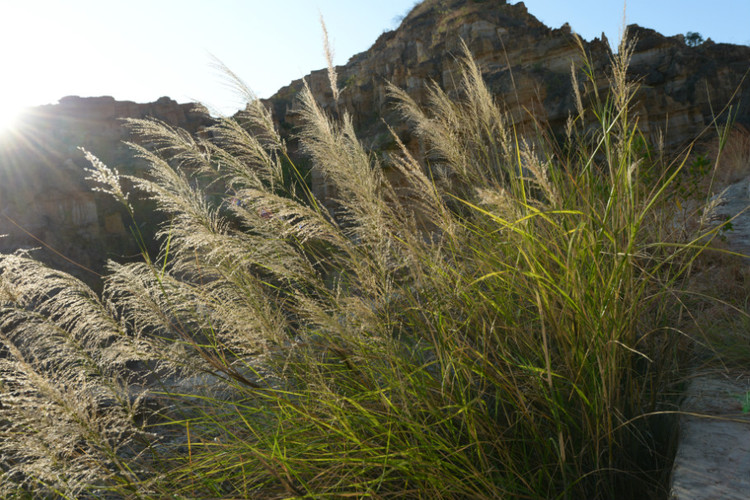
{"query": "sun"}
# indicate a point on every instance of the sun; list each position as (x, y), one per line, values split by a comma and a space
(9, 114)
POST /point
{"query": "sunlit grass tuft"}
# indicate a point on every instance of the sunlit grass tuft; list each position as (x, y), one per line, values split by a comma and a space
(500, 323)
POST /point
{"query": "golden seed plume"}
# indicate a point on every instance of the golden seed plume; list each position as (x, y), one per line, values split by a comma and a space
(332, 75)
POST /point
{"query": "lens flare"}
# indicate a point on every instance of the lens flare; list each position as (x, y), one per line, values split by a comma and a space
(9, 116)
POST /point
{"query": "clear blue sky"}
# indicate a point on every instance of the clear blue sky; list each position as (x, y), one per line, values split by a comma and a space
(722, 20)
(142, 49)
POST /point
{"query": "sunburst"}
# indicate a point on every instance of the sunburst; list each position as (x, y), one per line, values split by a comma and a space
(9, 114)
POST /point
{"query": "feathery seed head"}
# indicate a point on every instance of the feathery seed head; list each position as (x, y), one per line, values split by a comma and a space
(107, 178)
(332, 75)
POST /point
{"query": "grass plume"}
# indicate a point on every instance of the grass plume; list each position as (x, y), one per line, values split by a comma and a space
(496, 325)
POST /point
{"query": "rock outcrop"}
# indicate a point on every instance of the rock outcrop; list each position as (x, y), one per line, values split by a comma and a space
(46, 204)
(528, 67)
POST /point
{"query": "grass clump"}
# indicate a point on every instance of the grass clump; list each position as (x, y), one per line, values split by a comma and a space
(496, 324)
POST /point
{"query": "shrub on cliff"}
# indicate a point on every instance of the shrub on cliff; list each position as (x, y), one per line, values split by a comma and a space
(497, 323)
(693, 39)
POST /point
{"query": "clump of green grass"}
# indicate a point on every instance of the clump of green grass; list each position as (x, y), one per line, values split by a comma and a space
(496, 324)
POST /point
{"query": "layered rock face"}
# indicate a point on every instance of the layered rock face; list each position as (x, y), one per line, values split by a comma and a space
(528, 67)
(46, 204)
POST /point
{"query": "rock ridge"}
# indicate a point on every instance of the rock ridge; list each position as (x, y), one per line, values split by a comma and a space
(525, 63)
(527, 66)
(45, 203)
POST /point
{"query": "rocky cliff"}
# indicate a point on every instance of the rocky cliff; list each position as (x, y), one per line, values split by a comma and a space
(528, 67)
(46, 204)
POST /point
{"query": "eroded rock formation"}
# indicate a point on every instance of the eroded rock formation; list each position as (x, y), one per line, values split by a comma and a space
(46, 204)
(528, 67)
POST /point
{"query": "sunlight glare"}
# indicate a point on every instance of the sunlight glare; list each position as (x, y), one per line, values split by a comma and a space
(32, 66)
(9, 113)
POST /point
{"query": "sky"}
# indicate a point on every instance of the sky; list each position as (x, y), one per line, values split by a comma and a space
(726, 21)
(140, 50)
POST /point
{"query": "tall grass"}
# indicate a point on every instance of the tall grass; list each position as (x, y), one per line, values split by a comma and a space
(497, 323)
